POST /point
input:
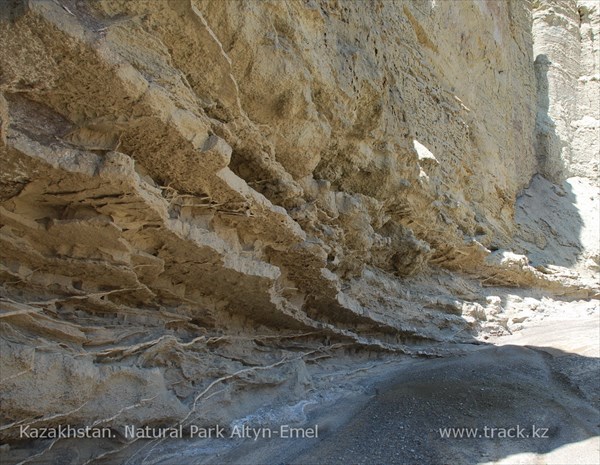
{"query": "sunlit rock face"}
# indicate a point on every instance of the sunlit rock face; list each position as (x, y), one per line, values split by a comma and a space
(192, 191)
(568, 74)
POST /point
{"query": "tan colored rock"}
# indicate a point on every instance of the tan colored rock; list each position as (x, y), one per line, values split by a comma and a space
(568, 75)
(200, 201)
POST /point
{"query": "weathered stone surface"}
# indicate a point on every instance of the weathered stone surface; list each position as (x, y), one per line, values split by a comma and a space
(216, 194)
(568, 74)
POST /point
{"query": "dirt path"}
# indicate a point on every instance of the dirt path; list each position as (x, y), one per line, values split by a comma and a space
(540, 385)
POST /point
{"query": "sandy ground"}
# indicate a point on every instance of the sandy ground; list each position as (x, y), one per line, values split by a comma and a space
(541, 384)
(542, 381)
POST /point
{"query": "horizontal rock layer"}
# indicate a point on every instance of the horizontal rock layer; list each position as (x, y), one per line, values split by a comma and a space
(193, 192)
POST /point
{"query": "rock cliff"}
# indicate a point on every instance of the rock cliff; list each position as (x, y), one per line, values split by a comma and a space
(200, 200)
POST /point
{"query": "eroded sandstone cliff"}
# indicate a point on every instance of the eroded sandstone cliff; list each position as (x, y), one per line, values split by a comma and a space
(204, 198)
